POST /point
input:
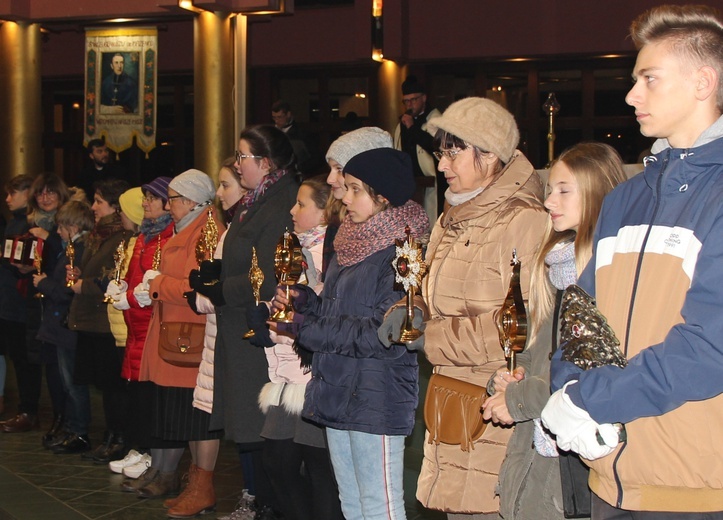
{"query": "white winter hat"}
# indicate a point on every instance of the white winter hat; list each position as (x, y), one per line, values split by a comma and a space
(194, 185)
(358, 141)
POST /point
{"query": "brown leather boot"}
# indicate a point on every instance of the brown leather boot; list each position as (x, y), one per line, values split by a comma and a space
(165, 483)
(199, 499)
(170, 502)
(22, 422)
(133, 485)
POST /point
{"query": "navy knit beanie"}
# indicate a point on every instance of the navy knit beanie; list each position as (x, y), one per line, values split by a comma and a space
(387, 170)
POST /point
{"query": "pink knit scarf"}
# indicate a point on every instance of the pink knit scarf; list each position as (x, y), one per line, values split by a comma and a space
(356, 241)
(250, 198)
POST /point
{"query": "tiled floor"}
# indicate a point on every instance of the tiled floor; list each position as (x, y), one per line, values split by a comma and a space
(35, 484)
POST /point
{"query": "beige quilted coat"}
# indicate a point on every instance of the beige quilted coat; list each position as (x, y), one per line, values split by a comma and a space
(469, 257)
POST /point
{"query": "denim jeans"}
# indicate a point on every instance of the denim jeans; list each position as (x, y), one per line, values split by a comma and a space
(77, 403)
(369, 470)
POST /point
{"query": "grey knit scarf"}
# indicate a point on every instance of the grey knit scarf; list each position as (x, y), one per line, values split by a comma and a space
(561, 260)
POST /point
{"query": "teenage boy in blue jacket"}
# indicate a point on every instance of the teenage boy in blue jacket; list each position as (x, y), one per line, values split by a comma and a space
(657, 275)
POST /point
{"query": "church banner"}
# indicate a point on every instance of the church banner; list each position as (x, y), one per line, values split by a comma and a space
(120, 87)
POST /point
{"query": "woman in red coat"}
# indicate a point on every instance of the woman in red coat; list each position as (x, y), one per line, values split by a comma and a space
(155, 230)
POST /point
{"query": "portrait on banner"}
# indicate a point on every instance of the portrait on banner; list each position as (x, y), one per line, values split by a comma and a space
(120, 87)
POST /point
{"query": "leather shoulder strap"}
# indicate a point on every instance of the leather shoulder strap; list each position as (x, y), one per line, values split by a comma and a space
(555, 321)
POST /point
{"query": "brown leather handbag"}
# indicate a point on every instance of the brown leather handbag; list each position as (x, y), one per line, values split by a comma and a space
(180, 343)
(453, 411)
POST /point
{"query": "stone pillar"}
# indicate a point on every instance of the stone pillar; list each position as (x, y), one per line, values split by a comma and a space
(390, 94)
(213, 91)
(20, 108)
(240, 76)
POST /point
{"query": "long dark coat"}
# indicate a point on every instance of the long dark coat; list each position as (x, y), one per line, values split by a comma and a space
(240, 369)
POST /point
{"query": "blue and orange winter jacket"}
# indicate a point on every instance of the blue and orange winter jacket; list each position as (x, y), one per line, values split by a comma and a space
(657, 275)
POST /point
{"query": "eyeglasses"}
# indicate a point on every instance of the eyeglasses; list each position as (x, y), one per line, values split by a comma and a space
(48, 194)
(174, 197)
(411, 100)
(149, 198)
(240, 156)
(449, 154)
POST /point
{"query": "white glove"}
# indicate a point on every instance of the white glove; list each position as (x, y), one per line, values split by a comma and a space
(575, 429)
(121, 302)
(114, 290)
(142, 296)
(148, 276)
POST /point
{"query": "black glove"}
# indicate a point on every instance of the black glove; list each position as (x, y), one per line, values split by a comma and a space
(210, 270)
(261, 337)
(256, 317)
(194, 279)
(390, 330)
(191, 299)
(213, 292)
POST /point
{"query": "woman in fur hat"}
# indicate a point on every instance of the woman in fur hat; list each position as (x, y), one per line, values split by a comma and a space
(493, 206)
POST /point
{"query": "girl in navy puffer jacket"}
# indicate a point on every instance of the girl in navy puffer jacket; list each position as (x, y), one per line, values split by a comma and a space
(364, 393)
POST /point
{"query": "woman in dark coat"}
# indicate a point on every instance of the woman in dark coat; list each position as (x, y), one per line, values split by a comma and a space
(13, 311)
(98, 359)
(46, 195)
(266, 165)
